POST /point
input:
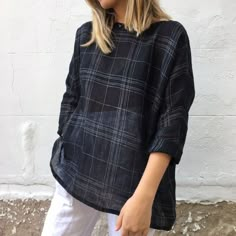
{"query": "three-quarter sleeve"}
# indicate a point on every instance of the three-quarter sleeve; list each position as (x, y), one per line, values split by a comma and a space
(172, 123)
(72, 93)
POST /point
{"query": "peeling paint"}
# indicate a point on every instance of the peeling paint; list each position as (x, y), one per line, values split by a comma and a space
(29, 142)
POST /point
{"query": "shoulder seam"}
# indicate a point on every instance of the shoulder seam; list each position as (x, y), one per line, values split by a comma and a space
(83, 28)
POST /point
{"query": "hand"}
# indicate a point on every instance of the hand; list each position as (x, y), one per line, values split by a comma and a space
(135, 216)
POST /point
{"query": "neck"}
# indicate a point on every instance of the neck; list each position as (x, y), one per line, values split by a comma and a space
(120, 9)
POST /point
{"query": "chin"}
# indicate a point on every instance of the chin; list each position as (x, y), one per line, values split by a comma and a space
(106, 4)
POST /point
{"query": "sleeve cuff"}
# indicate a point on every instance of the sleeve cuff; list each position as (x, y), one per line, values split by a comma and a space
(168, 146)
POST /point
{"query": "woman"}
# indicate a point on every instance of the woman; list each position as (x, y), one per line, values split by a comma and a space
(123, 122)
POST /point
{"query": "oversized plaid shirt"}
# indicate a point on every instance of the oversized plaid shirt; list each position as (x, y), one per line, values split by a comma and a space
(120, 107)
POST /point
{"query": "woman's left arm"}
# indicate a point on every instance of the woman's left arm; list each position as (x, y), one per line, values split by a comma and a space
(135, 215)
(154, 171)
(172, 125)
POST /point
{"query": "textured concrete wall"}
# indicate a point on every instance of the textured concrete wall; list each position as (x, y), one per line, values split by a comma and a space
(35, 48)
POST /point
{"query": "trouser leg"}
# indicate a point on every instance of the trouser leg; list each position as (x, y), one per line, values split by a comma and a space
(69, 217)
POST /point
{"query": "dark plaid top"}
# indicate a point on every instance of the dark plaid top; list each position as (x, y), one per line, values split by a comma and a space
(120, 107)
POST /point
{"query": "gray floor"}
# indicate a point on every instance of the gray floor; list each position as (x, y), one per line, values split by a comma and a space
(25, 218)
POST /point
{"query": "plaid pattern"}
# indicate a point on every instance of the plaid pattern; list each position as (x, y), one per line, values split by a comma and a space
(117, 109)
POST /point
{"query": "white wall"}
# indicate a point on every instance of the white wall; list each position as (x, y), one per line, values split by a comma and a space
(36, 42)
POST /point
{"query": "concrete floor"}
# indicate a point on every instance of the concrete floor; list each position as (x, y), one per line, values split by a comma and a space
(26, 217)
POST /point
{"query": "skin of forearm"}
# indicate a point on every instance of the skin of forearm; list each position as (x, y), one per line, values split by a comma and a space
(153, 173)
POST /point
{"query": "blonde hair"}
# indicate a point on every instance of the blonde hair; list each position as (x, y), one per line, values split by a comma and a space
(140, 14)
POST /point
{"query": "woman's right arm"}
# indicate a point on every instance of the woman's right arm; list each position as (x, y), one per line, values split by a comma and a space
(72, 93)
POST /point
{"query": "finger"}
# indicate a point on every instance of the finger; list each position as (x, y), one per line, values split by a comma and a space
(138, 233)
(125, 232)
(119, 221)
(145, 233)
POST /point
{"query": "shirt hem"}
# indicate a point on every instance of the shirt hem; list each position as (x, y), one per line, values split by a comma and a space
(99, 208)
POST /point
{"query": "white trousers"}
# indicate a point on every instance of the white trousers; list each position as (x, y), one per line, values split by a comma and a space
(69, 217)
